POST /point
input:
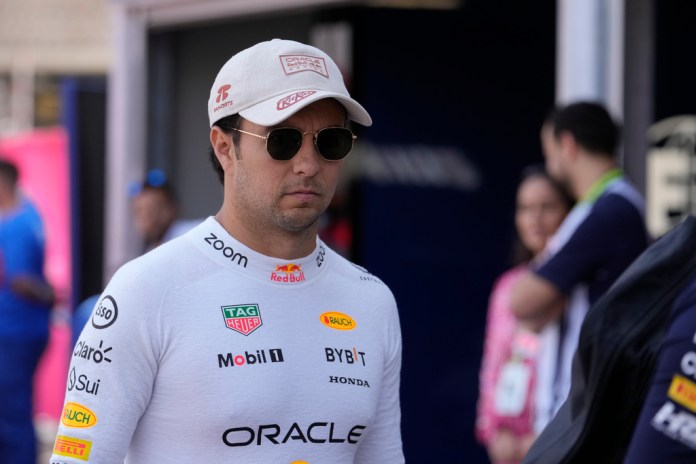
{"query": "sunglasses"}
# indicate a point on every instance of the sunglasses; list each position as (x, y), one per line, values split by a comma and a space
(283, 143)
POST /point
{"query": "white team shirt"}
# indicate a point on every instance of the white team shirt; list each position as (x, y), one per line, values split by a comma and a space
(204, 351)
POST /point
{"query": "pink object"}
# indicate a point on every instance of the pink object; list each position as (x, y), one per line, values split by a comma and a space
(41, 156)
(502, 332)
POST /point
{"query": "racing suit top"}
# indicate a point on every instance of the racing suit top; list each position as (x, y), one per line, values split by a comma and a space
(666, 429)
(204, 351)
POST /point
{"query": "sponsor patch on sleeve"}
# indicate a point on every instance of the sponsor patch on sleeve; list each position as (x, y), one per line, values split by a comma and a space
(683, 391)
(72, 447)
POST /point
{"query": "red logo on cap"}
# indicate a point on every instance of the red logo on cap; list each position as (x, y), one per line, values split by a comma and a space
(296, 97)
(222, 93)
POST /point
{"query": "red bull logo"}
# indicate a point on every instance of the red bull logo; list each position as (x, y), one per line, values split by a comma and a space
(288, 273)
(242, 318)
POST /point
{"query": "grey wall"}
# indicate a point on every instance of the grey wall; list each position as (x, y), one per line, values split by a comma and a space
(183, 66)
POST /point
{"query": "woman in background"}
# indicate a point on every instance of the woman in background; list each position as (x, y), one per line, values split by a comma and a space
(505, 411)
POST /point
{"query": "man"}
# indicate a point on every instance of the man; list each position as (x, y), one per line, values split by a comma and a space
(601, 236)
(25, 302)
(156, 211)
(247, 339)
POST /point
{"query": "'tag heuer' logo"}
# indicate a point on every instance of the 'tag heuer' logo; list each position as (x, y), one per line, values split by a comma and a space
(242, 318)
(72, 447)
(76, 415)
(337, 320)
(288, 273)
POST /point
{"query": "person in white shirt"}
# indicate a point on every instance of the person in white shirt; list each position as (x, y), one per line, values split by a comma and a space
(247, 339)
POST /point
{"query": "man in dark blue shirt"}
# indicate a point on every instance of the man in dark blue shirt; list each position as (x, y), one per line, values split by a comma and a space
(600, 237)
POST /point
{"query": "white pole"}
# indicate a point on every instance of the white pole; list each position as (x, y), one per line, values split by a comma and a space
(125, 156)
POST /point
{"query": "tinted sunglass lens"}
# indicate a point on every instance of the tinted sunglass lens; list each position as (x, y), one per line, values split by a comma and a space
(284, 143)
(334, 143)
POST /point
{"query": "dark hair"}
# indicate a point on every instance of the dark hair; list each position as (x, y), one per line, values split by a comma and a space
(155, 181)
(226, 124)
(591, 125)
(9, 171)
(521, 254)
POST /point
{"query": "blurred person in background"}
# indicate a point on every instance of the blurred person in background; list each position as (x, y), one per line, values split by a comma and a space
(600, 237)
(26, 299)
(505, 410)
(156, 213)
(156, 218)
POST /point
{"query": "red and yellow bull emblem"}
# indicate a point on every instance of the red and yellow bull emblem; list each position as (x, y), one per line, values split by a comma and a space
(338, 321)
(77, 415)
(72, 447)
(683, 391)
(288, 273)
(242, 318)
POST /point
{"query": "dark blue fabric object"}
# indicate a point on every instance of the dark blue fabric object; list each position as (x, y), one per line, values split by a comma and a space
(613, 367)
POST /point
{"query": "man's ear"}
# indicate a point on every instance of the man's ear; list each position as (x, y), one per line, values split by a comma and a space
(222, 145)
(569, 146)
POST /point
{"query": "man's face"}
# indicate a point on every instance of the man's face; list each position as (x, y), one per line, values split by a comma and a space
(552, 154)
(289, 196)
(153, 213)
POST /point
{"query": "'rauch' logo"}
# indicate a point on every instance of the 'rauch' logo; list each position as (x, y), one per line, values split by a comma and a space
(77, 415)
(337, 320)
(242, 318)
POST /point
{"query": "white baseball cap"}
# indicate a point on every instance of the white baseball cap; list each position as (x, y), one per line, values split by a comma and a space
(270, 81)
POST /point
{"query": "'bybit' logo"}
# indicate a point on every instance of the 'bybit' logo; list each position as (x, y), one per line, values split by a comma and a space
(338, 321)
(346, 356)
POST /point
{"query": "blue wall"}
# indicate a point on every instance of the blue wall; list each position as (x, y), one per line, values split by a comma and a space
(476, 82)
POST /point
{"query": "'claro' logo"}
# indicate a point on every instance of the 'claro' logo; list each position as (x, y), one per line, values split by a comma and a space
(338, 321)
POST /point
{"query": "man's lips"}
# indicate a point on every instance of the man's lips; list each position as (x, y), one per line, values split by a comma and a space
(303, 194)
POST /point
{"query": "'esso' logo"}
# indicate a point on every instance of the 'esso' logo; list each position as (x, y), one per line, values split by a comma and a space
(105, 314)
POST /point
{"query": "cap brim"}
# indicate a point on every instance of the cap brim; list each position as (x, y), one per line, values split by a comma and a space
(266, 113)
